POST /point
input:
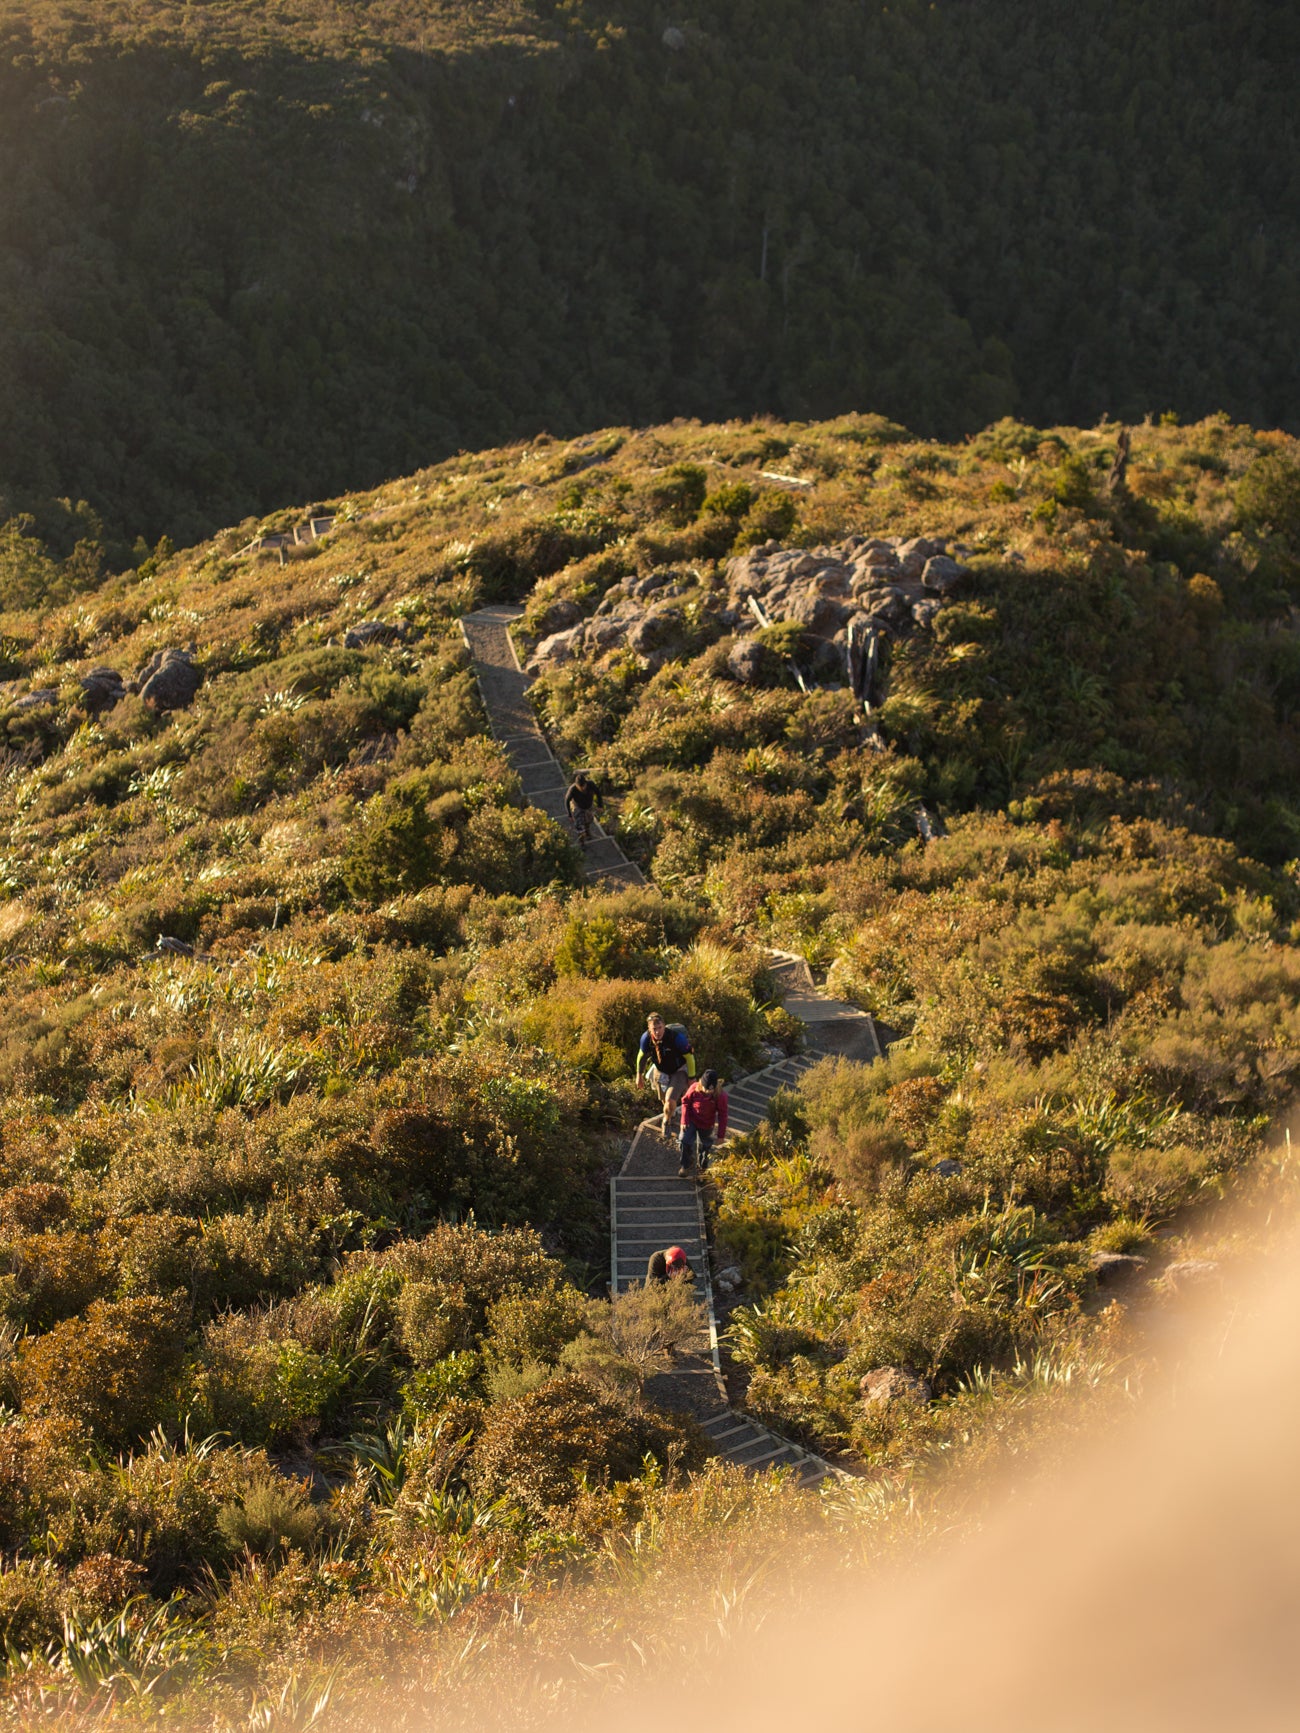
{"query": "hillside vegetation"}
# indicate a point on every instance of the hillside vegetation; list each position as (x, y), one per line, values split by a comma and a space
(252, 253)
(301, 1211)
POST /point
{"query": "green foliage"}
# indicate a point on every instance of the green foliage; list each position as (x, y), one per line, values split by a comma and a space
(272, 1519)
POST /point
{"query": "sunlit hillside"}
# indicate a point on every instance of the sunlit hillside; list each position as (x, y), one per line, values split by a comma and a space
(316, 1049)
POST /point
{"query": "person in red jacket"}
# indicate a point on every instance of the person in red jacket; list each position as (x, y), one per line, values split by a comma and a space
(704, 1114)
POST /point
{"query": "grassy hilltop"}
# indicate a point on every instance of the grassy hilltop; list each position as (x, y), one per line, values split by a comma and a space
(327, 1195)
(255, 252)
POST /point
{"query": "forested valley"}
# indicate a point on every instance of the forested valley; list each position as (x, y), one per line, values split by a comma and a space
(252, 254)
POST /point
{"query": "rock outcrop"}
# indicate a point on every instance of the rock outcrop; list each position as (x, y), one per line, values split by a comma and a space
(101, 689)
(848, 600)
(367, 632)
(168, 680)
(893, 1384)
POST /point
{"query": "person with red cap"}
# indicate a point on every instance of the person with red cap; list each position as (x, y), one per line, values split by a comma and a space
(667, 1264)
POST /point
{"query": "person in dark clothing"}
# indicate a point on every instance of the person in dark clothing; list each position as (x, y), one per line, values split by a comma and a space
(704, 1113)
(665, 1052)
(579, 798)
(666, 1264)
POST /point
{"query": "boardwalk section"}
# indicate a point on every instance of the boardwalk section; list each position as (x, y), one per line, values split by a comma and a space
(651, 1208)
(503, 687)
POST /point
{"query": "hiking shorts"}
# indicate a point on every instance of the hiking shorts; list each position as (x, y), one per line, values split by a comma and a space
(671, 1085)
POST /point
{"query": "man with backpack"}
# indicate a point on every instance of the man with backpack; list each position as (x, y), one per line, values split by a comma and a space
(704, 1112)
(665, 1051)
(579, 798)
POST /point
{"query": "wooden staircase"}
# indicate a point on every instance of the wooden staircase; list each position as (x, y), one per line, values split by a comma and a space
(503, 687)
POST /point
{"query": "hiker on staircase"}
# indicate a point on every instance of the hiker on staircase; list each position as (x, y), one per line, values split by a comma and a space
(667, 1264)
(665, 1051)
(579, 798)
(704, 1113)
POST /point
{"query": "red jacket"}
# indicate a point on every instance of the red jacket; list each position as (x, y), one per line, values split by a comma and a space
(702, 1110)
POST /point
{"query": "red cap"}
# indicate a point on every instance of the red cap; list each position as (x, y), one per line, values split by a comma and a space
(674, 1257)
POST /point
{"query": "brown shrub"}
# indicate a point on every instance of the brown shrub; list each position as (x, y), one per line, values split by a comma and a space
(112, 1369)
(541, 1447)
(30, 1208)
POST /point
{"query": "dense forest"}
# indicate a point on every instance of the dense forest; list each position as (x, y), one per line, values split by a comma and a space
(253, 253)
(315, 1048)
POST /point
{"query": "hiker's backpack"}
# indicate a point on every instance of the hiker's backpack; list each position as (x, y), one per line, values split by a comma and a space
(680, 1029)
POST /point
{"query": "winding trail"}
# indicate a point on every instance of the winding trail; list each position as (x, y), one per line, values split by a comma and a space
(650, 1206)
(503, 686)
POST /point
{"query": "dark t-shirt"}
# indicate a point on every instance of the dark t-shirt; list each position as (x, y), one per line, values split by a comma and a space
(583, 798)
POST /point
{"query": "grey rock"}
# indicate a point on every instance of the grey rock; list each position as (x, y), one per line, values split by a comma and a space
(606, 634)
(168, 680)
(947, 1168)
(37, 700)
(923, 612)
(893, 1384)
(892, 609)
(101, 689)
(371, 632)
(912, 555)
(177, 947)
(731, 1274)
(943, 574)
(746, 662)
(1191, 1273)
(660, 626)
(872, 576)
(559, 647)
(818, 614)
(674, 38)
(1112, 1268)
(558, 617)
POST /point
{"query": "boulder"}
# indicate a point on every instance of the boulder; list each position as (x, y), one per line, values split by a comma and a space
(1112, 1268)
(1191, 1273)
(607, 634)
(893, 1384)
(657, 627)
(640, 588)
(747, 662)
(913, 555)
(558, 616)
(559, 647)
(947, 1168)
(36, 700)
(168, 680)
(820, 615)
(872, 576)
(371, 632)
(101, 689)
(942, 574)
(891, 608)
(923, 612)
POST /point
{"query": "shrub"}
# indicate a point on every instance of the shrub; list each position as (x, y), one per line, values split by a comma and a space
(541, 1447)
(160, 1507)
(434, 1320)
(535, 1324)
(32, 1604)
(476, 1266)
(272, 1519)
(1268, 494)
(114, 1369)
